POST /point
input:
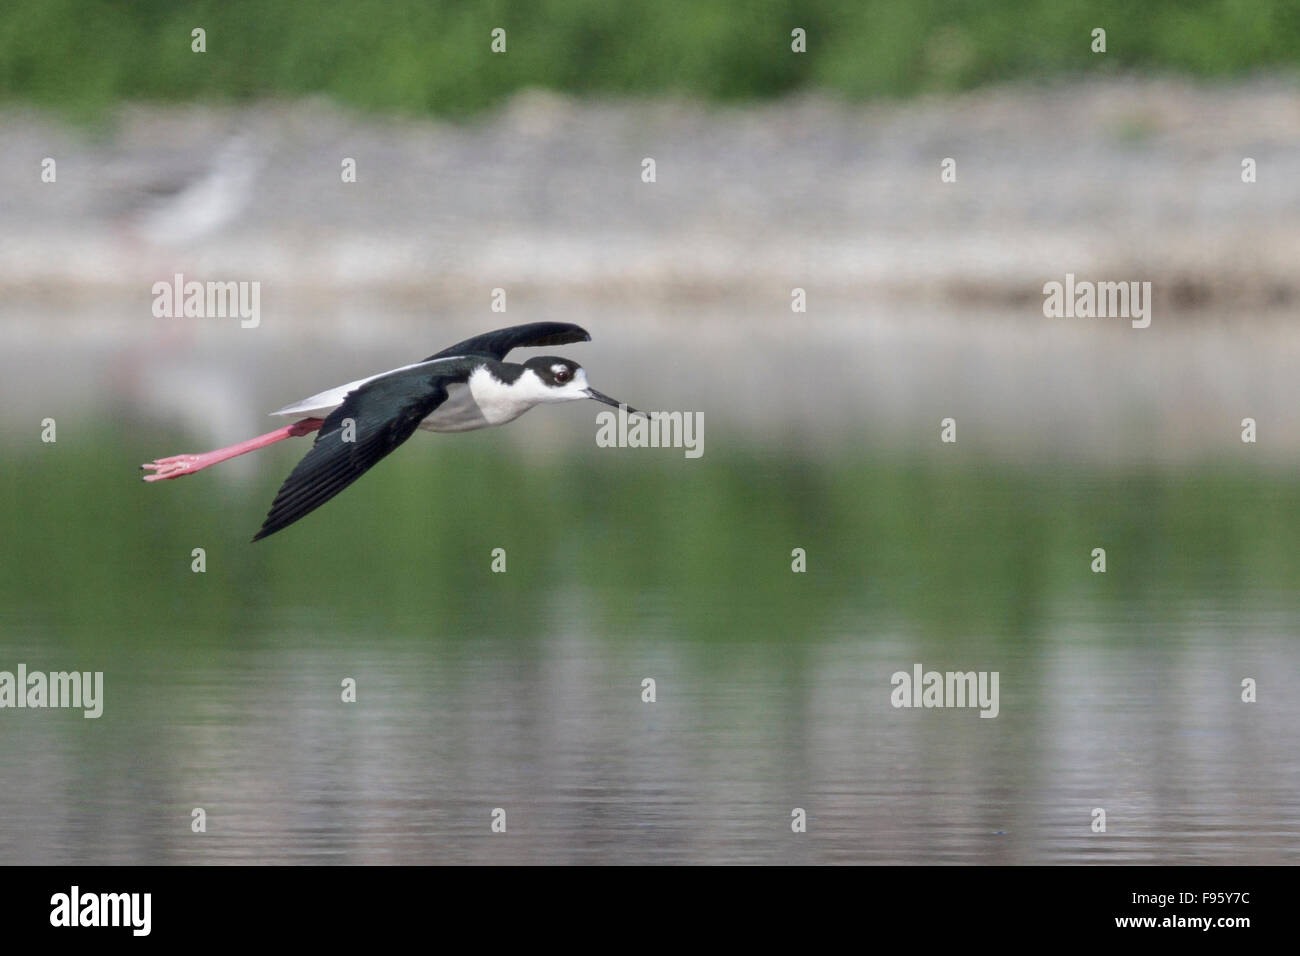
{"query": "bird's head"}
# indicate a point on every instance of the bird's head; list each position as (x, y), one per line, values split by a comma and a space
(563, 380)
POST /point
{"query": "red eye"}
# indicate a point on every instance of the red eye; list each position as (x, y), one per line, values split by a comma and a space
(563, 375)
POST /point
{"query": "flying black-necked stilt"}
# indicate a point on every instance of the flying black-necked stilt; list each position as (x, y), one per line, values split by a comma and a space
(461, 388)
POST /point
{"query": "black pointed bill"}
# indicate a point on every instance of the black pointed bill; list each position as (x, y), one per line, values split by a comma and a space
(602, 397)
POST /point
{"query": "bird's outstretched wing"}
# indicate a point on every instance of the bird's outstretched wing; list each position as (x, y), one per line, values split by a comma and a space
(498, 343)
(384, 413)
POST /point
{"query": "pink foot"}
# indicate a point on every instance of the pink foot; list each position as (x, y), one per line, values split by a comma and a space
(176, 466)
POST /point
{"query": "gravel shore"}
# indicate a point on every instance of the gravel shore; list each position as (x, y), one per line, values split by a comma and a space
(1116, 179)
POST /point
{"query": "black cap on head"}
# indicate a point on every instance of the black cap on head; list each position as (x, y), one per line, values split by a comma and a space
(552, 369)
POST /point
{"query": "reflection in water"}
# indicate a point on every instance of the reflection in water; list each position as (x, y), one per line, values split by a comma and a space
(523, 690)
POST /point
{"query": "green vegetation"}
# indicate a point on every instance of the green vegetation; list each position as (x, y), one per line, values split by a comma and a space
(433, 55)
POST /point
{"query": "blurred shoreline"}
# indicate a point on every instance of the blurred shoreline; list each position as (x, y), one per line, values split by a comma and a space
(1129, 178)
(924, 299)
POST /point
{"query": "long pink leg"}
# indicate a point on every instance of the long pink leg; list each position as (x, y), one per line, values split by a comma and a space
(177, 466)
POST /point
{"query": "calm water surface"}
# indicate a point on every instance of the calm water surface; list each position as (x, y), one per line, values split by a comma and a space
(522, 690)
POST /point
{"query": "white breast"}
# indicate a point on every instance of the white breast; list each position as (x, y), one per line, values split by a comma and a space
(459, 413)
(484, 401)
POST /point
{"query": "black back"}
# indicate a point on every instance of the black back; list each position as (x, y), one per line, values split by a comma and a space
(387, 412)
(497, 344)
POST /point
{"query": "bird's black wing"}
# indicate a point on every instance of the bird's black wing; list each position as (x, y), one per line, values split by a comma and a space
(384, 412)
(498, 343)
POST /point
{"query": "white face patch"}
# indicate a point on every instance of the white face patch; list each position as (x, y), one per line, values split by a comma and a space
(576, 388)
(532, 385)
(501, 402)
